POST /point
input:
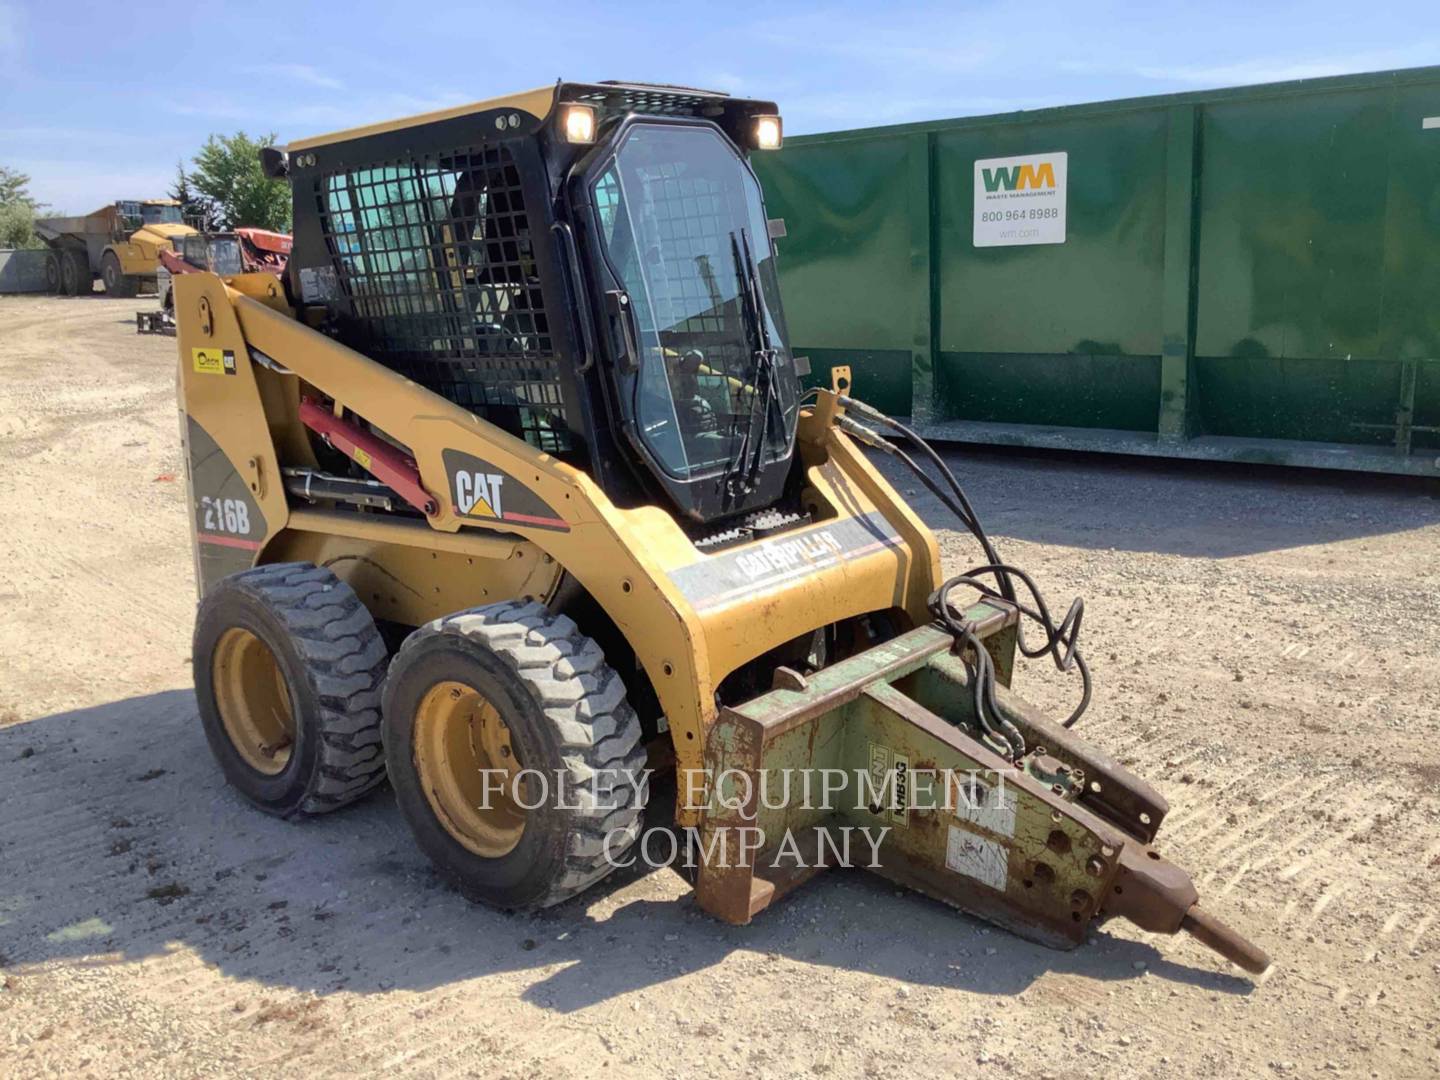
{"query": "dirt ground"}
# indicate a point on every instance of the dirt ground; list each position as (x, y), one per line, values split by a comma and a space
(1265, 645)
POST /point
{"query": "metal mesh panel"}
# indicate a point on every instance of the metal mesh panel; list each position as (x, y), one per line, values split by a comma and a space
(652, 100)
(436, 256)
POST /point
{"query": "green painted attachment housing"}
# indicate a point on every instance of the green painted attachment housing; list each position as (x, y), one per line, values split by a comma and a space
(1249, 274)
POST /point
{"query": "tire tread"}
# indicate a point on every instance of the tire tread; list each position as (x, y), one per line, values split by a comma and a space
(335, 635)
(584, 700)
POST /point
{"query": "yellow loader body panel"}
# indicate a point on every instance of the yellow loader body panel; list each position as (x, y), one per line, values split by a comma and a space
(140, 255)
(691, 618)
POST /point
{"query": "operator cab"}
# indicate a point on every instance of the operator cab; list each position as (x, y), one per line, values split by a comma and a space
(137, 213)
(588, 266)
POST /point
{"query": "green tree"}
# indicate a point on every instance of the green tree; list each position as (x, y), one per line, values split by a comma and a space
(17, 211)
(227, 172)
(15, 188)
(196, 208)
(17, 226)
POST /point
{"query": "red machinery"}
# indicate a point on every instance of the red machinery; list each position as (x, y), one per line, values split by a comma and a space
(243, 251)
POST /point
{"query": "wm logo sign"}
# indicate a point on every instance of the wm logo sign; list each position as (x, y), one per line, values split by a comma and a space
(1021, 199)
(1023, 177)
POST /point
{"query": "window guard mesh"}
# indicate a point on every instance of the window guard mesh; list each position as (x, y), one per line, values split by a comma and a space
(436, 256)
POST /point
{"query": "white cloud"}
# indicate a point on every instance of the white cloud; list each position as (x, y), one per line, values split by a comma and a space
(213, 108)
(302, 73)
(69, 135)
(12, 39)
(296, 120)
(928, 44)
(727, 81)
(409, 104)
(78, 187)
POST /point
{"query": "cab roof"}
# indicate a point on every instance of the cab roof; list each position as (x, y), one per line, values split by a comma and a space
(538, 103)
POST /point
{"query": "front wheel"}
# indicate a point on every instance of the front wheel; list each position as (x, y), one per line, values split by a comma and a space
(117, 282)
(514, 755)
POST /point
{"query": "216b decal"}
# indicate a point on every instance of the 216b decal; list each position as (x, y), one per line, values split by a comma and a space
(225, 516)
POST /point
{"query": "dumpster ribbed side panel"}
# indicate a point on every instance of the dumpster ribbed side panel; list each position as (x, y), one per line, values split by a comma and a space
(1249, 274)
(1291, 287)
(1056, 334)
(846, 259)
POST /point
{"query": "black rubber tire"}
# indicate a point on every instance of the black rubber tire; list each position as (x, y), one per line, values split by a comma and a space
(52, 273)
(333, 662)
(568, 716)
(117, 283)
(68, 283)
(75, 279)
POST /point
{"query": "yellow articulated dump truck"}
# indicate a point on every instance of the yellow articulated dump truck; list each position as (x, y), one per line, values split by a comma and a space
(507, 491)
(120, 244)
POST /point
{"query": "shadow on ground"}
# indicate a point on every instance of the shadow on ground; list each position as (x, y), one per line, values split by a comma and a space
(1211, 510)
(119, 841)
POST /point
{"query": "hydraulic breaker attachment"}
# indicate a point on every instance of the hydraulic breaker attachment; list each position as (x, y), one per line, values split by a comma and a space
(878, 761)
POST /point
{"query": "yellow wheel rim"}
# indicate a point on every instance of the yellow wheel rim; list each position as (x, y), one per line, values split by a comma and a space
(468, 769)
(254, 701)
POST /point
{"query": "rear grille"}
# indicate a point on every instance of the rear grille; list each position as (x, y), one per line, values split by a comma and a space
(664, 100)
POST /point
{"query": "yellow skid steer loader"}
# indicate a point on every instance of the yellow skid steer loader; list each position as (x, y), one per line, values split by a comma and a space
(509, 489)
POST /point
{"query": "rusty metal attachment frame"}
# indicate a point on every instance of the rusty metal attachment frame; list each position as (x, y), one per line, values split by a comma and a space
(876, 762)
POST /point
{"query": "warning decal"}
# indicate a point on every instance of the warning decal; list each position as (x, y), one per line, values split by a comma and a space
(991, 808)
(213, 361)
(987, 861)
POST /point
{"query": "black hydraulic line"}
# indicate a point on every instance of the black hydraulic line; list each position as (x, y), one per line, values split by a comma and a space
(970, 518)
(1061, 640)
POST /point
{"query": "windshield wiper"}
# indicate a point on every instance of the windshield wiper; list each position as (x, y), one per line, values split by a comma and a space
(740, 479)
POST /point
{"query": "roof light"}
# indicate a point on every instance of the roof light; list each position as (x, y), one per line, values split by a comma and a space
(768, 133)
(579, 124)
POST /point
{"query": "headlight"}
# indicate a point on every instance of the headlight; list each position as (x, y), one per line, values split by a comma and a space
(768, 133)
(579, 123)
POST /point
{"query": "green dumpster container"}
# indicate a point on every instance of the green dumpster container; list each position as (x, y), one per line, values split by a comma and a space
(1249, 274)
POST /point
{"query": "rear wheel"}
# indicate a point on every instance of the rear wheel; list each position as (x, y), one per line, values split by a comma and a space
(75, 277)
(117, 282)
(288, 668)
(514, 755)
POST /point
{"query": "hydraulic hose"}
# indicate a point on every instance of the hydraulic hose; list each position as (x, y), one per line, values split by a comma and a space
(992, 578)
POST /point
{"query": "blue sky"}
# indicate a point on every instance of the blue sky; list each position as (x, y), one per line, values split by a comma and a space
(99, 100)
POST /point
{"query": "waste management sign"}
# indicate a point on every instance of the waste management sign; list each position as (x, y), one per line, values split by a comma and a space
(1020, 200)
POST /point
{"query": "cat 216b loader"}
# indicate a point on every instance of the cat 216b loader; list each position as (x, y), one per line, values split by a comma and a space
(508, 490)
